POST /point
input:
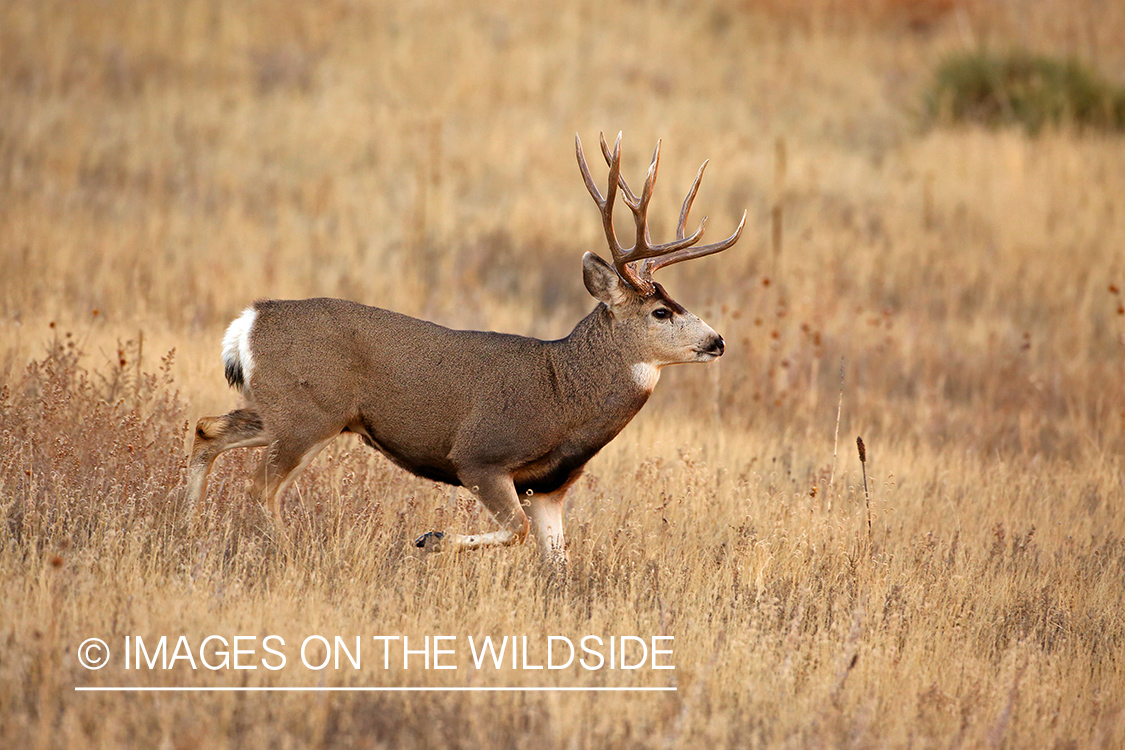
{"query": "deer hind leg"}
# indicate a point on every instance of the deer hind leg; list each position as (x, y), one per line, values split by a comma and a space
(496, 493)
(282, 463)
(546, 514)
(241, 428)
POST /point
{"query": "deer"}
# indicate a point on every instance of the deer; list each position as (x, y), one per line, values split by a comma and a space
(513, 419)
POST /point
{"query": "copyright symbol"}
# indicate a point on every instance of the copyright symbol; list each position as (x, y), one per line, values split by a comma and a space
(93, 653)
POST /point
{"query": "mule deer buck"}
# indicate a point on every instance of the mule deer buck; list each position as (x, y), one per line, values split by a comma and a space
(512, 418)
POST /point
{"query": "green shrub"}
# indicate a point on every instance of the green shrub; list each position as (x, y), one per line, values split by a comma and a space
(1023, 89)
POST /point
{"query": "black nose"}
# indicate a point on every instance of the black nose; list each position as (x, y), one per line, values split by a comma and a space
(717, 346)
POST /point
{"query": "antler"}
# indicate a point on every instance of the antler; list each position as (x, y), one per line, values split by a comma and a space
(637, 264)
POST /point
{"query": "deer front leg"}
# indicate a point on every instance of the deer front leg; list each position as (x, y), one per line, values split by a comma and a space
(546, 514)
(495, 492)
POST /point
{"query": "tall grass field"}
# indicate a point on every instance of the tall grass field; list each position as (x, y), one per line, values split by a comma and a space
(950, 291)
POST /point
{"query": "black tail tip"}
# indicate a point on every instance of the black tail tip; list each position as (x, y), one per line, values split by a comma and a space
(235, 376)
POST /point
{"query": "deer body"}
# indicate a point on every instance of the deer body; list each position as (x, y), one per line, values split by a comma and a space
(434, 400)
(512, 418)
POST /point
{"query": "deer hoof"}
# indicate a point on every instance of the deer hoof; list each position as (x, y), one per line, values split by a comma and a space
(430, 541)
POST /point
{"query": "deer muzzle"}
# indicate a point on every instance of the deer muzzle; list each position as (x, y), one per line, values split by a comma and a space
(714, 346)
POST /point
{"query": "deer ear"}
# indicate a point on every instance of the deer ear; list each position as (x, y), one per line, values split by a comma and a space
(602, 281)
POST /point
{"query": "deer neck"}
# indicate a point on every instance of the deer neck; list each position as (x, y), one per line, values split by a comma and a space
(602, 367)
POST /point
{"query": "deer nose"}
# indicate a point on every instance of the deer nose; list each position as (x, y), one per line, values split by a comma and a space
(716, 346)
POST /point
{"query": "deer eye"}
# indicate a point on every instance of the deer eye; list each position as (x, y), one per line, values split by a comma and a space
(662, 313)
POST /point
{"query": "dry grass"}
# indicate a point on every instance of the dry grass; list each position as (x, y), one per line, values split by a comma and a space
(161, 164)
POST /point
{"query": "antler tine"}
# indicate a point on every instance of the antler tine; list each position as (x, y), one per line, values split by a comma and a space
(653, 264)
(621, 256)
(643, 246)
(689, 200)
(590, 184)
(629, 195)
(605, 205)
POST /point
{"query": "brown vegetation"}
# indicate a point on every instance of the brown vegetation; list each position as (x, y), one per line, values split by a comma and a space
(162, 164)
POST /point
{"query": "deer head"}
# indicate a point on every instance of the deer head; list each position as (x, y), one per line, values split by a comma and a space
(660, 328)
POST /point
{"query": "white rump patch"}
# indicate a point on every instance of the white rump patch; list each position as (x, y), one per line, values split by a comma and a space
(645, 375)
(236, 345)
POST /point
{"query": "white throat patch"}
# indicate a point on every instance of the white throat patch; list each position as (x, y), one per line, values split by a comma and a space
(645, 375)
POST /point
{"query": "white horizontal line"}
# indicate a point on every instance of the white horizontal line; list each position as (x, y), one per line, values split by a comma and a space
(534, 689)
